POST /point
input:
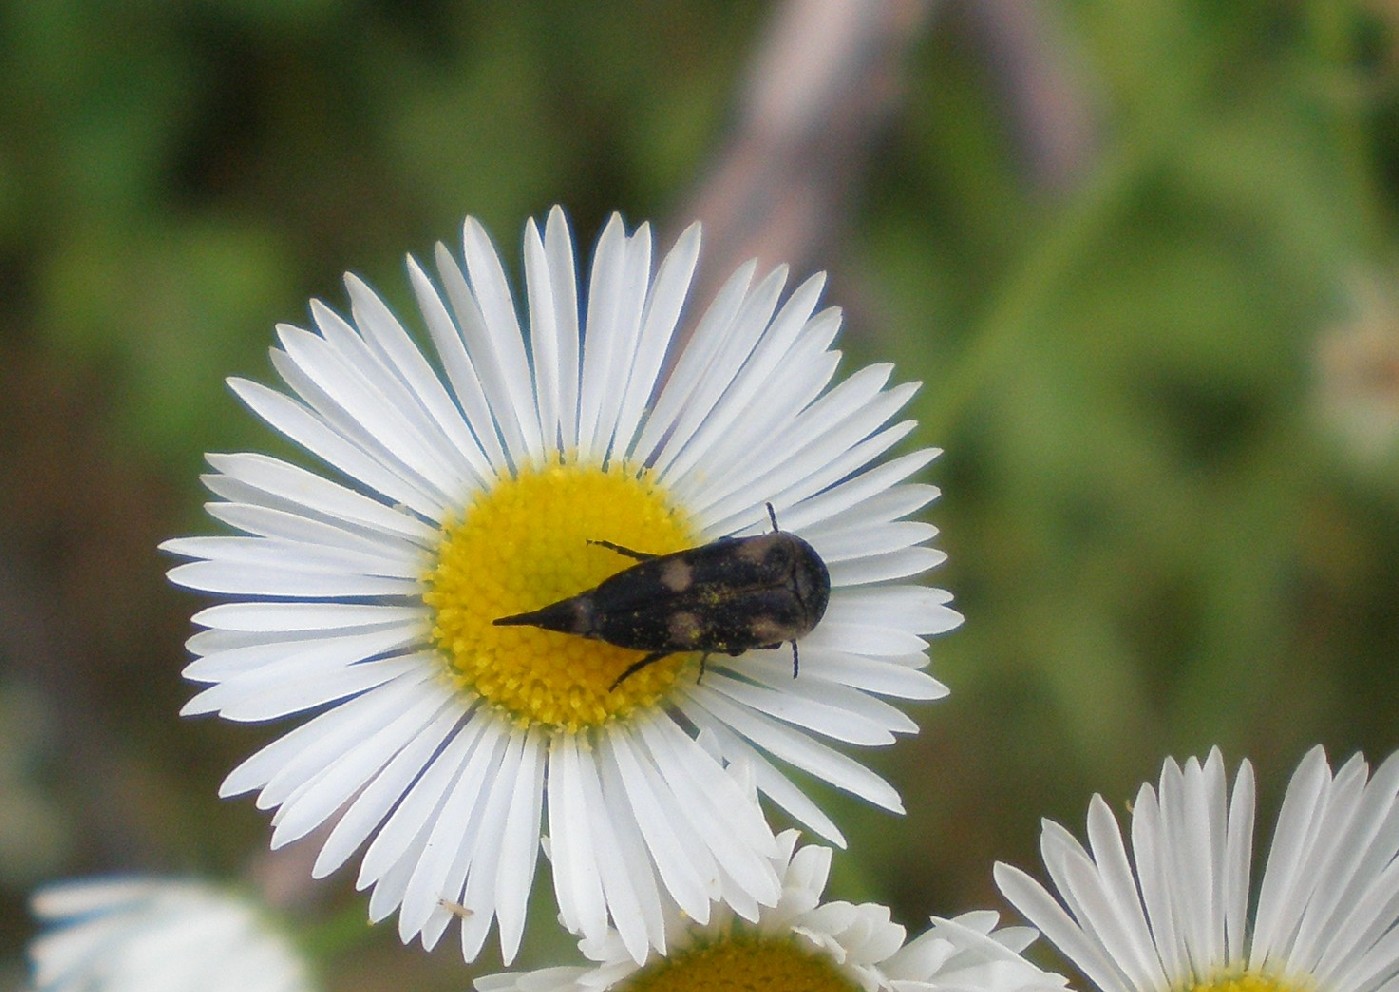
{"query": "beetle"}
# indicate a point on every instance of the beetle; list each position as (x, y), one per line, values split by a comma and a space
(725, 597)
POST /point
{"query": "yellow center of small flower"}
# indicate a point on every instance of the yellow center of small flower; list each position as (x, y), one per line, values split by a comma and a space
(1246, 982)
(524, 544)
(743, 964)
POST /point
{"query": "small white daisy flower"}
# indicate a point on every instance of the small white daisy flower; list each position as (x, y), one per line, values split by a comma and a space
(1175, 915)
(158, 935)
(803, 945)
(477, 490)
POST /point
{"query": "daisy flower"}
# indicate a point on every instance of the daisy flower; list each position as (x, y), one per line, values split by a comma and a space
(475, 484)
(1175, 915)
(803, 945)
(153, 935)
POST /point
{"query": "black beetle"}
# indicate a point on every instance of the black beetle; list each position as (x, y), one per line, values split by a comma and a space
(724, 597)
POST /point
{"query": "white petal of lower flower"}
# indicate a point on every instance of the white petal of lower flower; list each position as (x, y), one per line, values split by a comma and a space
(513, 467)
(1174, 912)
(802, 942)
(967, 954)
(120, 934)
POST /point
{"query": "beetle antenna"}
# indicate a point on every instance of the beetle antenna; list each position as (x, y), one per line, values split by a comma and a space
(772, 515)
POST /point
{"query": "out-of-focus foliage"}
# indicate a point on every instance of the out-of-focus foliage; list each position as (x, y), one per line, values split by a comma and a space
(1157, 540)
(1159, 535)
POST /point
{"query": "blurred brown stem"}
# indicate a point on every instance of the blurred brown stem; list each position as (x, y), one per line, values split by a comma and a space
(823, 83)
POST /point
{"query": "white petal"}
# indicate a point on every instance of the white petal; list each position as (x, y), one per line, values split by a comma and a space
(351, 398)
(852, 492)
(420, 383)
(255, 616)
(456, 359)
(632, 857)
(731, 343)
(544, 341)
(371, 392)
(153, 935)
(876, 675)
(881, 568)
(749, 380)
(558, 249)
(1039, 908)
(883, 538)
(811, 689)
(328, 440)
(577, 877)
(1239, 855)
(667, 297)
(624, 904)
(1155, 876)
(314, 802)
(771, 782)
(760, 449)
(799, 706)
(1370, 898)
(1132, 942)
(441, 869)
(262, 521)
(286, 486)
(916, 609)
(501, 348)
(255, 702)
(270, 552)
(705, 343)
(801, 461)
(485, 865)
(834, 635)
(730, 823)
(381, 792)
(303, 748)
(794, 748)
(1296, 826)
(616, 298)
(233, 655)
(420, 804)
(661, 825)
(520, 847)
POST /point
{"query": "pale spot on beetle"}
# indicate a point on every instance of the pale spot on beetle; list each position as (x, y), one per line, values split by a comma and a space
(757, 549)
(684, 628)
(766, 630)
(677, 575)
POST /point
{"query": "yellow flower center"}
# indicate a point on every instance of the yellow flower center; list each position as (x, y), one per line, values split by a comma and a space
(743, 964)
(524, 544)
(1246, 982)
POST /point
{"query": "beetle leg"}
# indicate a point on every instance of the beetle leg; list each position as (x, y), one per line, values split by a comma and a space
(794, 659)
(703, 656)
(637, 666)
(638, 555)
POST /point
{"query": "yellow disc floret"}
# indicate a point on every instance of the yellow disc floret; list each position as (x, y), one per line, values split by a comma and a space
(1247, 981)
(743, 964)
(523, 544)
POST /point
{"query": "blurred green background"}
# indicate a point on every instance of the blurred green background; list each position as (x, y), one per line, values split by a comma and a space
(1141, 255)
